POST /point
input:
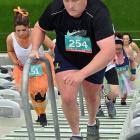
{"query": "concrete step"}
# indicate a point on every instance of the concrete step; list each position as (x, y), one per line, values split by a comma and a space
(110, 129)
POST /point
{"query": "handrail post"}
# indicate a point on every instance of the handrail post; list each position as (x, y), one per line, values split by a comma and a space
(81, 101)
(25, 98)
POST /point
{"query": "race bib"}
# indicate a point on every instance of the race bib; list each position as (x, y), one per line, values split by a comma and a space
(35, 70)
(78, 44)
(122, 69)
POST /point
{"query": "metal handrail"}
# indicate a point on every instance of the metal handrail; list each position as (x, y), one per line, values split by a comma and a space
(81, 101)
(25, 98)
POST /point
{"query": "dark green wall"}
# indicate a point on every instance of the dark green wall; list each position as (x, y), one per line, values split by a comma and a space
(124, 13)
(125, 16)
(34, 7)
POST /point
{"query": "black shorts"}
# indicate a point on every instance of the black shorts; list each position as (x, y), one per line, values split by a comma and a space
(61, 64)
(112, 76)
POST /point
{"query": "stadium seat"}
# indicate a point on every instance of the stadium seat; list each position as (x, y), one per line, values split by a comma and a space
(136, 113)
(3, 70)
(6, 83)
(135, 125)
(1, 97)
(135, 136)
(9, 109)
(138, 105)
(138, 100)
(11, 95)
(8, 67)
(5, 75)
(1, 87)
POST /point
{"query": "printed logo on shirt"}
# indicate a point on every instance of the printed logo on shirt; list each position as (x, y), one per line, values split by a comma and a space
(79, 32)
(57, 66)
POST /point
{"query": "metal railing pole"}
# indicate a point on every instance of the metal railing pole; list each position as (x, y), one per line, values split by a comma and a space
(52, 97)
(25, 99)
(81, 101)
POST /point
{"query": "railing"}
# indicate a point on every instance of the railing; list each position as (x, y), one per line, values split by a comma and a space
(25, 99)
(81, 101)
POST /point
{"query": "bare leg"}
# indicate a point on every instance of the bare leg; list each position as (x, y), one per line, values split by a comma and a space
(114, 91)
(69, 102)
(124, 97)
(92, 97)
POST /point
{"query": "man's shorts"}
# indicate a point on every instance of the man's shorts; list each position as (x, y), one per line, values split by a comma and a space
(61, 64)
(112, 76)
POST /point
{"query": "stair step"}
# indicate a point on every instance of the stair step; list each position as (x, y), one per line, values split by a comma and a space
(110, 129)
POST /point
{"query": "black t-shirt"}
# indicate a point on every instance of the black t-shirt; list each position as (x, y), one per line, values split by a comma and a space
(94, 23)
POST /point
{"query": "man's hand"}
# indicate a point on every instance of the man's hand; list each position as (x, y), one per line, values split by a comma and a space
(73, 78)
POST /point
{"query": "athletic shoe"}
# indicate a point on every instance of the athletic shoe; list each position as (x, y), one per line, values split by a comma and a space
(76, 138)
(100, 113)
(123, 103)
(114, 101)
(43, 120)
(38, 119)
(93, 131)
(111, 108)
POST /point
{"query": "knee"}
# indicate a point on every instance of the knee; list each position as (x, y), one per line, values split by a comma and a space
(92, 98)
(115, 93)
(68, 100)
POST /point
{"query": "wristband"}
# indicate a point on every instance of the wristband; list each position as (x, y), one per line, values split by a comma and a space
(133, 71)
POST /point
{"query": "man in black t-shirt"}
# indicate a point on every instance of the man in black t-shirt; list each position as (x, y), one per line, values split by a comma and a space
(84, 46)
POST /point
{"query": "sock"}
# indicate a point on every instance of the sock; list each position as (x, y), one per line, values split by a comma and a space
(107, 98)
(92, 124)
(77, 135)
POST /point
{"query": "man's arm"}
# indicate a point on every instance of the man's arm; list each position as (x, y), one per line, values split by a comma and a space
(49, 43)
(104, 56)
(38, 36)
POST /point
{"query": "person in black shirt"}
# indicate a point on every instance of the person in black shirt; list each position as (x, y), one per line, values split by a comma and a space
(84, 46)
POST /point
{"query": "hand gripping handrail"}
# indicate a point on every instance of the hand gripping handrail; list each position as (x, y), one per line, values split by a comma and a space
(25, 98)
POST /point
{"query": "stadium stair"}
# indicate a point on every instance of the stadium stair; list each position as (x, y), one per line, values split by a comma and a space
(110, 129)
